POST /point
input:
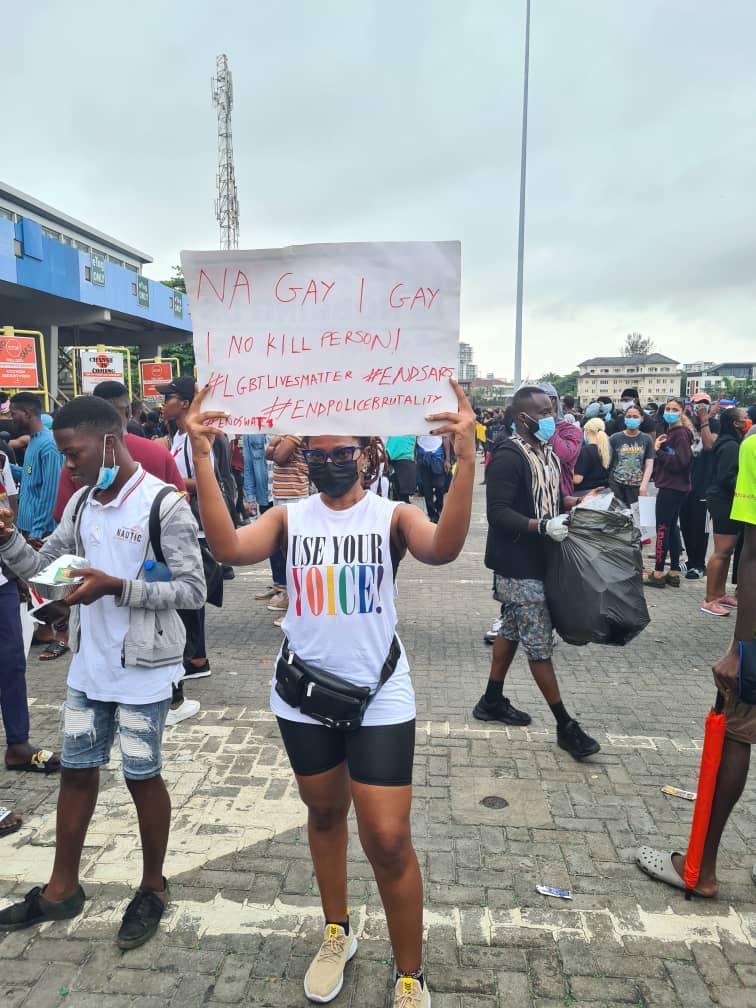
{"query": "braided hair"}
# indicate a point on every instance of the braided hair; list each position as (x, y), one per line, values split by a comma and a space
(373, 457)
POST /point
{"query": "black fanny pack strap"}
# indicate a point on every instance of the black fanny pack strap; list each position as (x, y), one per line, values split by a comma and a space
(389, 666)
(388, 669)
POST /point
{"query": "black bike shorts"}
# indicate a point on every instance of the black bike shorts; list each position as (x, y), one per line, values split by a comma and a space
(381, 755)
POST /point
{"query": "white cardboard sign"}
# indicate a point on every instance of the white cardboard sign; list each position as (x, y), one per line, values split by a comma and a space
(327, 339)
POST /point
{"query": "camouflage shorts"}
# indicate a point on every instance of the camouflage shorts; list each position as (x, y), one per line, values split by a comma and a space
(525, 616)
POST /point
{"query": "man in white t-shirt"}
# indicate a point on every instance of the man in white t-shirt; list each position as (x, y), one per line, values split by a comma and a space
(127, 644)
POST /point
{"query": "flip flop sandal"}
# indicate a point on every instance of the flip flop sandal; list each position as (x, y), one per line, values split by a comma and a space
(40, 762)
(5, 814)
(54, 650)
(658, 865)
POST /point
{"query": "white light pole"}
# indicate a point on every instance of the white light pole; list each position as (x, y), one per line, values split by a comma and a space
(521, 232)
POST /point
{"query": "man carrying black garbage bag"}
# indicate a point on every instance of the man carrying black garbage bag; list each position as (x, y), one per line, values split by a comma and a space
(523, 506)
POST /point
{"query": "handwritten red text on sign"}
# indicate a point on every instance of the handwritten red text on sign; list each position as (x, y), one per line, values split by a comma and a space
(332, 324)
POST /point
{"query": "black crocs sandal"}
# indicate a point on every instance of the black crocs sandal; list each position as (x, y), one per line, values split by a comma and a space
(35, 909)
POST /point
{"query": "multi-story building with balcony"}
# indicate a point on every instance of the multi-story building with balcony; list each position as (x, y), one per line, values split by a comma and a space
(653, 375)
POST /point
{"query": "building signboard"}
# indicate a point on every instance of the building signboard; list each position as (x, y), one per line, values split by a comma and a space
(98, 269)
(143, 292)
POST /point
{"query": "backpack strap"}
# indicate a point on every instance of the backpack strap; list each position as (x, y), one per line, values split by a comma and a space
(154, 526)
(189, 473)
(78, 508)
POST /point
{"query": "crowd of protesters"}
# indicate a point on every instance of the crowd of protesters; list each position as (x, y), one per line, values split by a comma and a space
(161, 506)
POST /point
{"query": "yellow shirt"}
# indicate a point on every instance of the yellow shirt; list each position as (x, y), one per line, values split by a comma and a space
(744, 504)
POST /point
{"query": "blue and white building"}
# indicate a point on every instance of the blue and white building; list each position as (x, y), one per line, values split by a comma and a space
(79, 286)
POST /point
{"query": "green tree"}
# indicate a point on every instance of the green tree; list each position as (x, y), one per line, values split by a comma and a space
(177, 281)
(636, 343)
(742, 389)
(564, 384)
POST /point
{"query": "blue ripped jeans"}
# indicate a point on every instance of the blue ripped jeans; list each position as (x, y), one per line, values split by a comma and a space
(89, 729)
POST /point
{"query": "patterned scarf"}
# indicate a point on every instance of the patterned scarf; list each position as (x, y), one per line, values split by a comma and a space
(544, 477)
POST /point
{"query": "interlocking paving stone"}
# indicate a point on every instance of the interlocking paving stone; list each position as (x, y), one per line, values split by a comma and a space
(245, 916)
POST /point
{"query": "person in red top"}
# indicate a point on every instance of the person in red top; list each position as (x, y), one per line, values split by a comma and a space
(154, 459)
(566, 442)
(152, 456)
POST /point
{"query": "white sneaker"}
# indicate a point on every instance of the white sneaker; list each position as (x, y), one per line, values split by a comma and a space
(408, 993)
(187, 709)
(325, 977)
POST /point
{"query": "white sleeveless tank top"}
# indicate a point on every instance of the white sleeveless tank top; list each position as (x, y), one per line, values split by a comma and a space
(342, 615)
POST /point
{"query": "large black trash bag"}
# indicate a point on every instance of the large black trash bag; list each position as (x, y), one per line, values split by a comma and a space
(594, 580)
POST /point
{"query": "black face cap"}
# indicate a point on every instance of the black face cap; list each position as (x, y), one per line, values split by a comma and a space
(183, 387)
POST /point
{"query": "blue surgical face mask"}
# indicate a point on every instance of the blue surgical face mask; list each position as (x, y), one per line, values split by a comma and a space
(586, 439)
(648, 412)
(543, 429)
(107, 473)
(671, 418)
(632, 422)
(606, 408)
(626, 404)
(513, 427)
(592, 410)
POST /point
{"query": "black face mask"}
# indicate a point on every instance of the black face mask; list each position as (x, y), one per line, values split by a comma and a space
(334, 480)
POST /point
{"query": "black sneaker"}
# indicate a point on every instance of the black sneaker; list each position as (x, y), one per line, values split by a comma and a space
(196, 671)
(36, 909)
(502, 711)
(142, 917)
(574, 740)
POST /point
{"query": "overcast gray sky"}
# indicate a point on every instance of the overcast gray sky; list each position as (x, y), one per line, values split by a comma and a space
(400, 119)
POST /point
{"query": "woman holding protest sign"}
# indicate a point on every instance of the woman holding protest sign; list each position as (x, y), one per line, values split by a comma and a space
(342, 691)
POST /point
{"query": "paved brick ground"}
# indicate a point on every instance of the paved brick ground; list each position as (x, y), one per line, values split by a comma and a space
(245, 915)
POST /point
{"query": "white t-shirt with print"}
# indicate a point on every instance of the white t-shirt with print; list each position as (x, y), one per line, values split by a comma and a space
(114, 537)
(342, 611)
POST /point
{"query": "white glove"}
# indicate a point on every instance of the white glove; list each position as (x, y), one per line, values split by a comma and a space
(556, 528)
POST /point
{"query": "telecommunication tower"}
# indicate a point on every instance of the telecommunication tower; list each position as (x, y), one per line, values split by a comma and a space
(227, 202)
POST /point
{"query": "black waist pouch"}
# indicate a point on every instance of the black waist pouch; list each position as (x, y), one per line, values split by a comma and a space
(326, 698)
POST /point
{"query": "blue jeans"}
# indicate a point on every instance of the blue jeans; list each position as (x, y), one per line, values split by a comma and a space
(13, 702)
(90, 727)
(255, 469)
